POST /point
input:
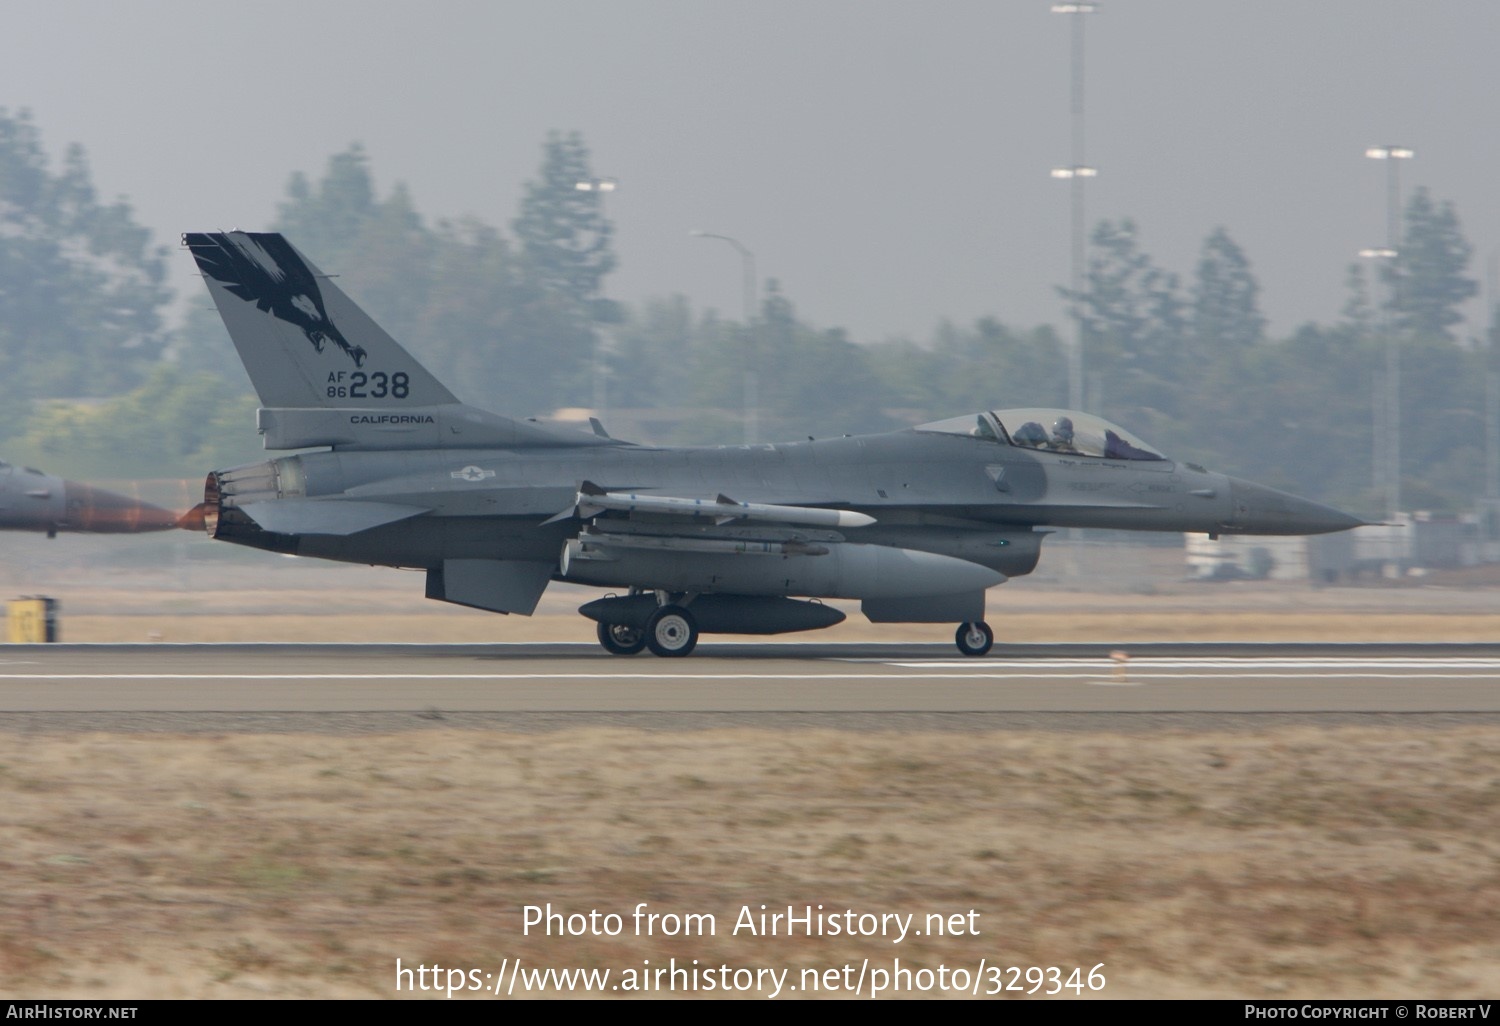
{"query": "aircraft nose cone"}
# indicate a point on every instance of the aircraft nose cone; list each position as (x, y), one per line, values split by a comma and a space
(95, 509)
(1256, 509)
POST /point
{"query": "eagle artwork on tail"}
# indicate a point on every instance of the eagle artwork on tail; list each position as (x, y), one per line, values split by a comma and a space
(265, 270)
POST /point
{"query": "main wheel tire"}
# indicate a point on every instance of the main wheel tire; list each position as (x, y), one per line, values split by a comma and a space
(619, 639)
(974, 639)
(671, 631)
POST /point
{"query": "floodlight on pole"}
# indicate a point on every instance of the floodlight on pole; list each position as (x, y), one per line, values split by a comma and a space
(600, 187)
(1076, 175)
(1394, 155)
(1390, 458)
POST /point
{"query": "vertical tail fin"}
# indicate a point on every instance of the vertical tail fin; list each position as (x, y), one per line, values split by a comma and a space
(304, 343)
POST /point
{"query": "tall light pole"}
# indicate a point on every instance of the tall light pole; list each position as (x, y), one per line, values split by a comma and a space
(600, 187)
(1077, 173)
(1393, 156)
(752, 375)
(1492, 399)
(1390, 422)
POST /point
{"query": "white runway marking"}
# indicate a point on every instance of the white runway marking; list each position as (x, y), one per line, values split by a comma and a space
(1101, 671)
(1211, 662)
(542, 676)
(1166, 668)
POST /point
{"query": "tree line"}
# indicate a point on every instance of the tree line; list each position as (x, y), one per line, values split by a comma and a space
(514, 320)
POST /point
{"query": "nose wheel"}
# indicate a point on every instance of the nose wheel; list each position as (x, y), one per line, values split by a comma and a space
(974, 639)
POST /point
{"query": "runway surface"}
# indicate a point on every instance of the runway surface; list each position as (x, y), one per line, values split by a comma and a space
(867, 686)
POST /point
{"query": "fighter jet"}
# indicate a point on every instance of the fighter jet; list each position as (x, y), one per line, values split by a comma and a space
(33, 501)
(741, 539)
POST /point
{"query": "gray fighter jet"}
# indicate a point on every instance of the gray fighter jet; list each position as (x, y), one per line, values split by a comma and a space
(740, 539)
(33, 501)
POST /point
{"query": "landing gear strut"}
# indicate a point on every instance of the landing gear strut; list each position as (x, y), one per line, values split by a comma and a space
(974, 639)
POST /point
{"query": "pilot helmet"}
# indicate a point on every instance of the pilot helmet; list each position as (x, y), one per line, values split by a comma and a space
(1062, 429)
(1030, 433)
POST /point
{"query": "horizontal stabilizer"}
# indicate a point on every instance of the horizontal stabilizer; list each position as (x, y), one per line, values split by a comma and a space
(326, 516)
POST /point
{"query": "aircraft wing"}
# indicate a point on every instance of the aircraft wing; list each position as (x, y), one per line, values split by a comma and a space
(326, 516)
(720, 545)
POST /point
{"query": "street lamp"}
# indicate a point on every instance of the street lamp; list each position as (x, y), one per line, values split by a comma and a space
(599, 187)
(752, 376)
(1076, 174)
(747, 260)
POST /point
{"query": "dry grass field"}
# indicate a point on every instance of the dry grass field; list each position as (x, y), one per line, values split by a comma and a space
(1284, 862)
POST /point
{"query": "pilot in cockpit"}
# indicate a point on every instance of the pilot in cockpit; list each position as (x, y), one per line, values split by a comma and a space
(1062, 436)
(1031, 435)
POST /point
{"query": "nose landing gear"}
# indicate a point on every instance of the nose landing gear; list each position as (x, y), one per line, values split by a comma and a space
(974, 639)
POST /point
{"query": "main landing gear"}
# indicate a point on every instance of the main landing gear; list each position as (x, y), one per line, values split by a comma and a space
(618, 639)
(670, 630)
(974, 639)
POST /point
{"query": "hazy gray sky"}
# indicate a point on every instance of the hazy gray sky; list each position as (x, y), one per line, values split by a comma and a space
(886, 160)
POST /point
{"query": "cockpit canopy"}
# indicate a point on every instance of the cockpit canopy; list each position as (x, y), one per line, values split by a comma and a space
(1059, 431)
